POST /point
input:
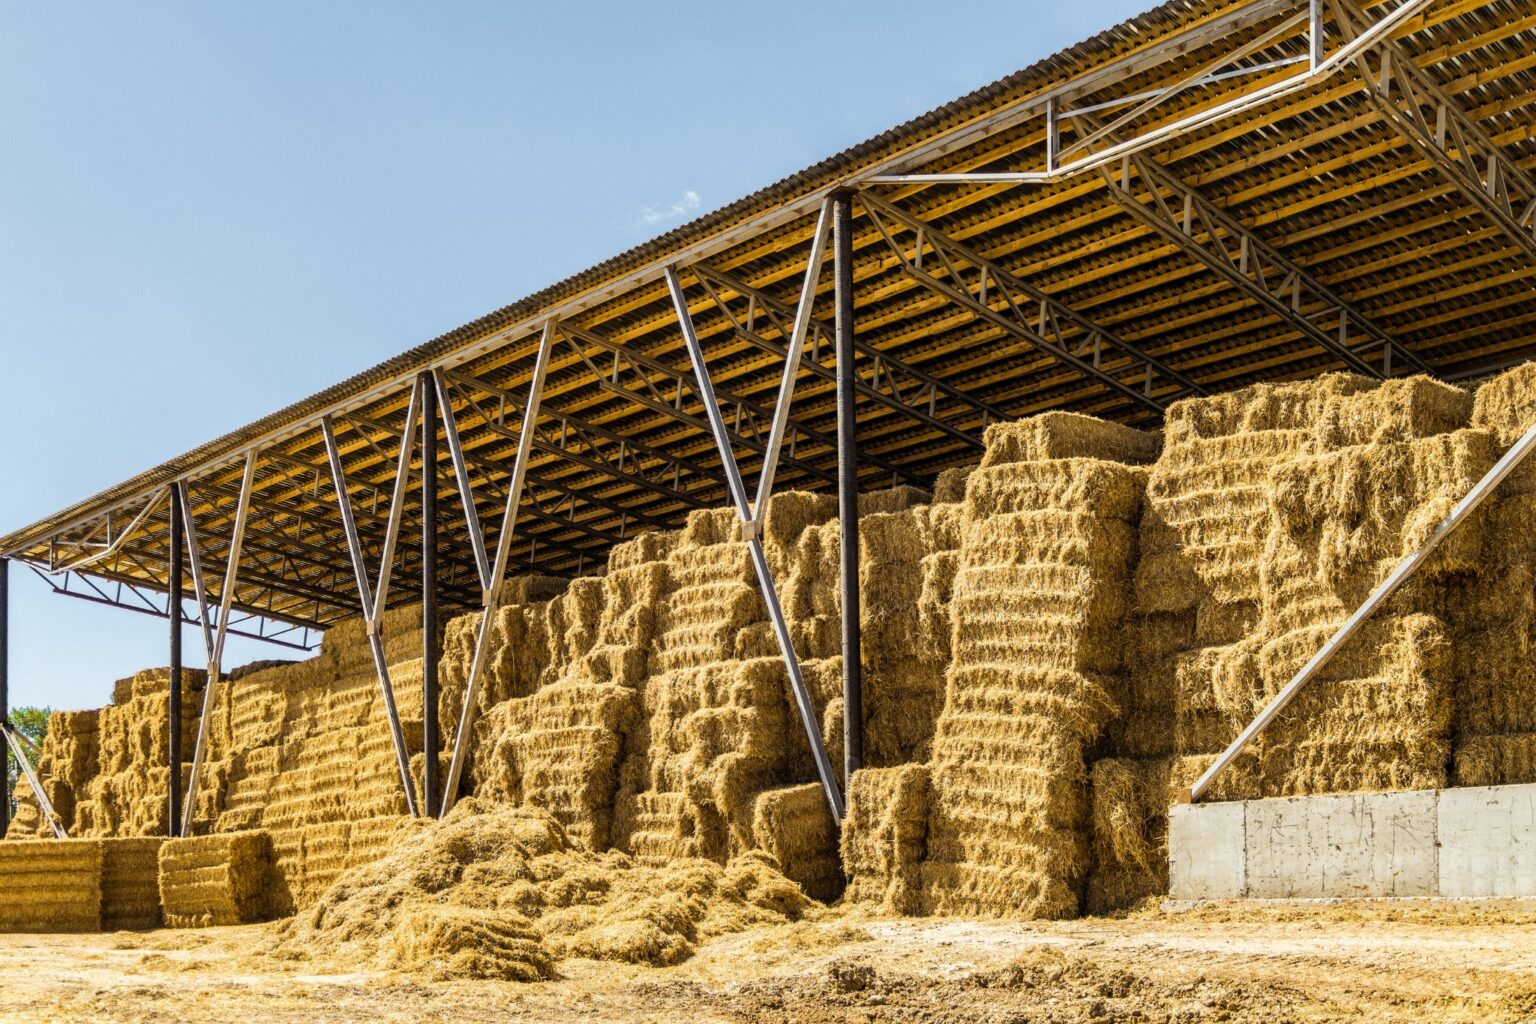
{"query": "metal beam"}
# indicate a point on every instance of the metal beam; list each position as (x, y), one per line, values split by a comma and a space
(495, 580)
(1025, 312)
(174, 588)
(1057, 103)
(12, 739)
(754, 540)
(213, 637)
(1163, 202)
(848, 487)
(373, 601)
(910, 389)
(1408, 97)
(431, 786)
(1399, 575)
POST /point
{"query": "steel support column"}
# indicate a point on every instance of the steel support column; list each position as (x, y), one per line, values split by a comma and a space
(5, 680)
(751, 531)
(174, 589)
(848, 485)
(431, 786)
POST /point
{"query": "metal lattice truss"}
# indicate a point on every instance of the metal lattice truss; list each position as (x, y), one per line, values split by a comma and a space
(1205, 197)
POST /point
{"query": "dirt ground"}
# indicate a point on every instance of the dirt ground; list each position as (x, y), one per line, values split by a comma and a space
(1321, 962)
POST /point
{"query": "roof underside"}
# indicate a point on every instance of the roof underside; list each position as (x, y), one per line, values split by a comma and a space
(1320, 175)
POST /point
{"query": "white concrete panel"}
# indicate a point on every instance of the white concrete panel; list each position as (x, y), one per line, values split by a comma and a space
(1488, 841)
(1206, 859)
(1354, 845)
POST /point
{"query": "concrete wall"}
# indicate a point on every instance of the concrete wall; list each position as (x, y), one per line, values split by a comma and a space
(1472, 842)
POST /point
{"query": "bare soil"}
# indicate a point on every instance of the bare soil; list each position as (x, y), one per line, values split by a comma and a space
(1316, 962)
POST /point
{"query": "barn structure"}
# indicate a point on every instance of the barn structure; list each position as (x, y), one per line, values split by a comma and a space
(1210, 196)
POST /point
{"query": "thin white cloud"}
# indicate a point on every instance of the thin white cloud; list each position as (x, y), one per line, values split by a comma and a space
(688, 203)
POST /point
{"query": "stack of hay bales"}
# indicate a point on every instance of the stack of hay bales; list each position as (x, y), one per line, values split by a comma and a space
(559, 749)
(51, 885)
(217, 880)
(67, 764)
(1041, 589)
(885, 837)
(1386, 466)
(716, 728)
(128, 793)
(1271, 514)
(1496, 631)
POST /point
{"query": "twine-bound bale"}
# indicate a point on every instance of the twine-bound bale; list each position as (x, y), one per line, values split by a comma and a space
(884, 838)
(1066, 435)
(1259, 407)
(217, 879)
(794, 826)
(1367, 504)
(1507, 759)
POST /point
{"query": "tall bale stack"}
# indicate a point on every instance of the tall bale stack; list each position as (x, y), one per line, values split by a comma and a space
(1386, 467)
(1496, 619)
(1041, 590)
(561, 747)
(51, 885)
(129, 791)
(716, 730)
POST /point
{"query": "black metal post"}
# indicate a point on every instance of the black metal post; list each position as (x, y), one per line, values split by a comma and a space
(430, 784)
(174, 590)
(5, 682)
(848, 486)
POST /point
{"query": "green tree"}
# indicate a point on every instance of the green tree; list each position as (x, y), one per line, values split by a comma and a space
(30, 722)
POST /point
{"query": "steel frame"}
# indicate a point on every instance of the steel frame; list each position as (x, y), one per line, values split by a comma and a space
(1316, 63)
(1408, 97)
(213, 634)
(376, 599)
(493, 575)
(1221, 242)
(1022, 311)
(751, 523)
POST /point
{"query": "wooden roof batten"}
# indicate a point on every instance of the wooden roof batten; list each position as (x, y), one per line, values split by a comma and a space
(1133, 261)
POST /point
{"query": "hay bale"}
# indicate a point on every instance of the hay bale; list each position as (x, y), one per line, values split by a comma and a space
(1506, 404)
(51, 885)
(1359, 506)
(130, 883)
(1260, 407)
(794, 826)
(884, 838)
(891, 499)
(949, 485)
(216, 879)
(1507, 759)
(1395, 410)
(1066, 435)
(1130, 832)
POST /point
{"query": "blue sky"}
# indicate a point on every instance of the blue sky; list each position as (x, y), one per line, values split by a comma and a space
(208, 211)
